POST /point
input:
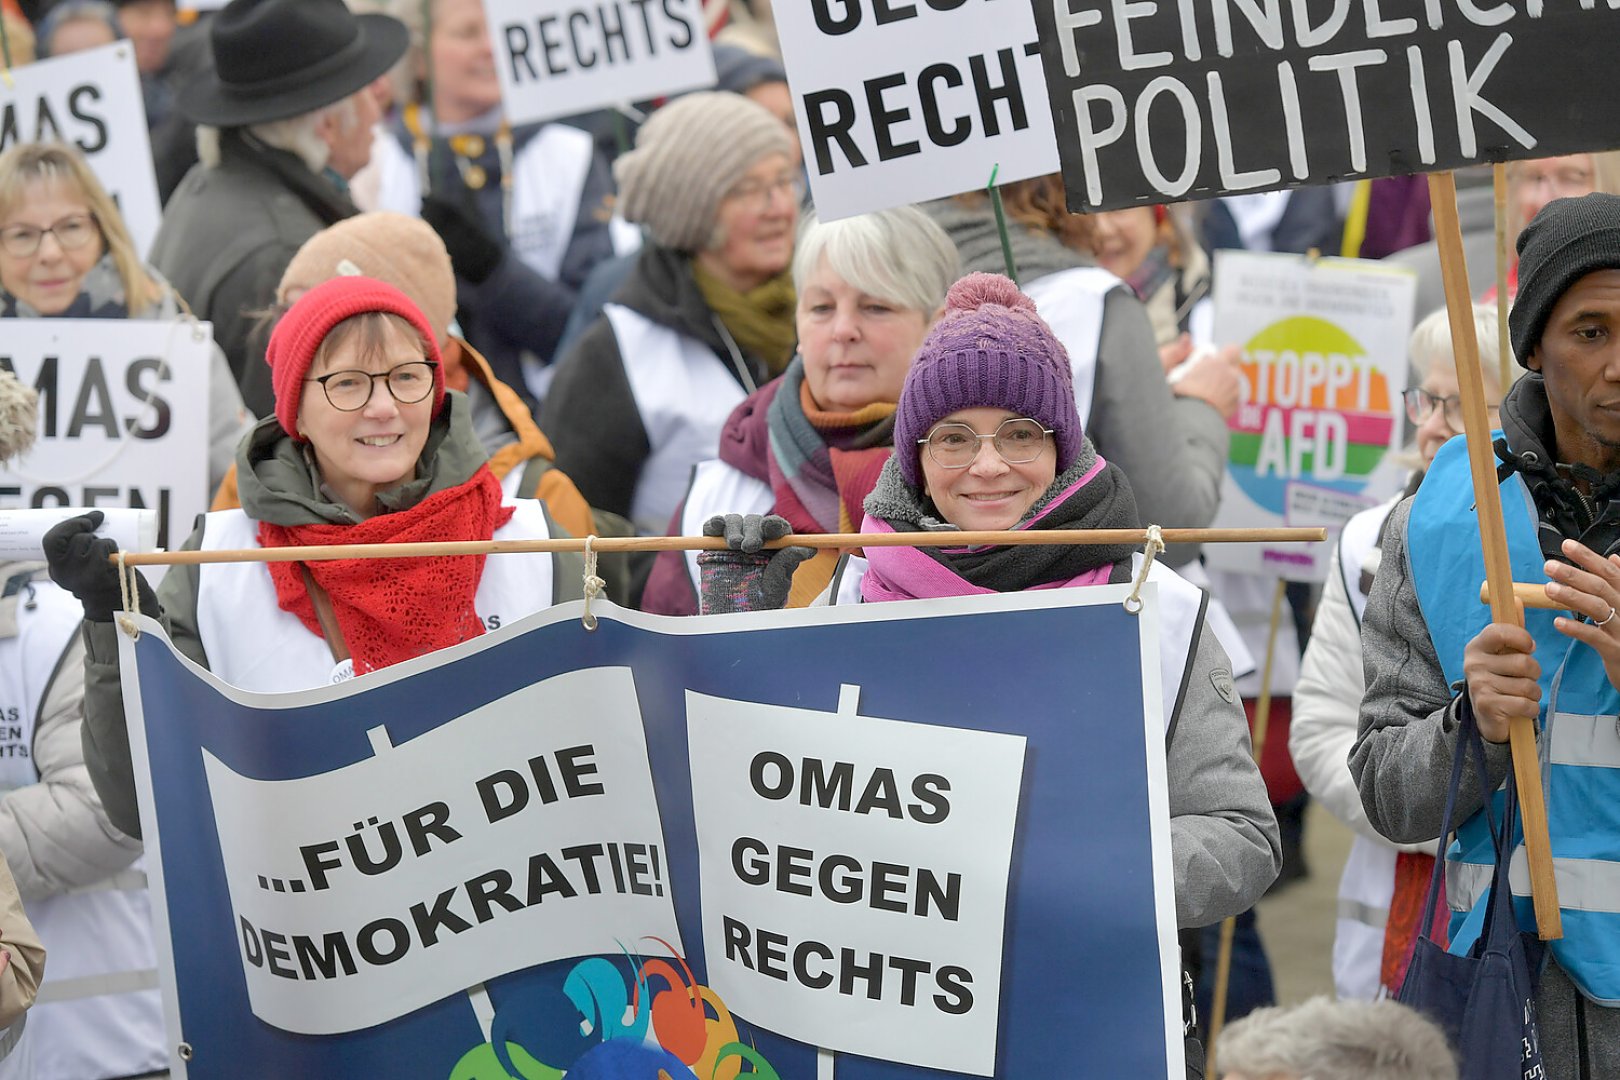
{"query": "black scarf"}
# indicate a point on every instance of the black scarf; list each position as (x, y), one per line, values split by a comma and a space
(1103, 502)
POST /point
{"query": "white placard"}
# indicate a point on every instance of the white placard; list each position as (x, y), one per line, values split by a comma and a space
(123, 417)
(22, 532)
(91, 99)
(1324, 364)
(899, 102)
(561, 57)
(863, 904)
(389, 884)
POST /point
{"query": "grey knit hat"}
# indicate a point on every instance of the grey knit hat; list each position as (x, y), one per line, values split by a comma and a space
(688, 155)
(1569, 239)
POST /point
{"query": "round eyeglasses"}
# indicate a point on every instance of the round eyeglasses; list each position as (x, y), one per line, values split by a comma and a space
(954, 446)
(72, 233)
(349, 391)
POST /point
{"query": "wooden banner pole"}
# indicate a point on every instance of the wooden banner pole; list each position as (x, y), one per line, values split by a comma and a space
(1493, 537)
(1503, 343)
(715, 543)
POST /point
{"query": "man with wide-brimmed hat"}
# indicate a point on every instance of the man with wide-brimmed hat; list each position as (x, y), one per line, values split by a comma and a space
(284, 122)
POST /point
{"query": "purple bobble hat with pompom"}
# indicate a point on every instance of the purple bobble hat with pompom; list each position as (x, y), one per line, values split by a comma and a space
(989, 350)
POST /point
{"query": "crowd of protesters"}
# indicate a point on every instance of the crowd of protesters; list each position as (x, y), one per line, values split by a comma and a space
(433, 323)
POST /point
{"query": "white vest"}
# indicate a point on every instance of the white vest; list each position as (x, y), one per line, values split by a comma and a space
(717, 488)
(98, 1013)
(548, 178)
(1180, 601)
(1367, 885)
(254, 645)
(1071, 302)
(684, 394)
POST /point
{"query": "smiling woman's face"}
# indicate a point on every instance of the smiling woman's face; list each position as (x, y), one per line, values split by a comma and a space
(375, 447)
(857, 348)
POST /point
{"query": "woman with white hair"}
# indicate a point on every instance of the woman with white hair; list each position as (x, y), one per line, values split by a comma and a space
(1384, 884)
(808, 446)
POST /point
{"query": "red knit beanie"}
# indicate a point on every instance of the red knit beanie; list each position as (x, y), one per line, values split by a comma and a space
(299, 333)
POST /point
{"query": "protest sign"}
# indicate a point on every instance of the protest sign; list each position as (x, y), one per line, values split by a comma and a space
(539, 851)
(1154, 101)
(92, 101)
(562, 57)
(899, 102)
(1324, 364)
(123, 417)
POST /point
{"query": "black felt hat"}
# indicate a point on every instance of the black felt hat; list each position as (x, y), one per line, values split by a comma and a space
(275, 59)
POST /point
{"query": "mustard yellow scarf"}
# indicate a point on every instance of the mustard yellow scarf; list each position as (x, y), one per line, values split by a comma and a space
(760, 320)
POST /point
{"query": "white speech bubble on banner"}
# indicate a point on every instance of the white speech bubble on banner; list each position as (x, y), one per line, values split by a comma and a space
(561, 57)
(91, 100)
(898, 103)
(863, 904)
(332, 941)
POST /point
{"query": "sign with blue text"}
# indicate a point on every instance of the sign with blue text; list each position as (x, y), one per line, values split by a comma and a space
(752, 845)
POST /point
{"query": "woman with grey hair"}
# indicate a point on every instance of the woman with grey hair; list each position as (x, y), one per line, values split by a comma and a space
(808, 446)
(1335, 1040)
(705, 317)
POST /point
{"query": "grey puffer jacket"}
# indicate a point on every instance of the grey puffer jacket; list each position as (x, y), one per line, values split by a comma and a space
(1408, 734)
(279, 485)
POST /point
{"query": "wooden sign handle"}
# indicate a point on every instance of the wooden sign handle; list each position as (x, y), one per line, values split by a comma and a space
(1493, 537)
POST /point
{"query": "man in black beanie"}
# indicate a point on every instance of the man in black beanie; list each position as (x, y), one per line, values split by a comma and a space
(1432, 653)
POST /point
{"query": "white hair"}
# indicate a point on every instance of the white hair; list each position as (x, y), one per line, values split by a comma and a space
(1430, 344)
(1336, 1040)
(899, 255)
(298, 135)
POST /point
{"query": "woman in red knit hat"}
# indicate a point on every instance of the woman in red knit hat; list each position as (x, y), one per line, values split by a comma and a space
(366, 446)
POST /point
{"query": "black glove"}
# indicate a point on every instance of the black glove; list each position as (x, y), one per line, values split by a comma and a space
(746, 577)
(81, 562)
(474, 253)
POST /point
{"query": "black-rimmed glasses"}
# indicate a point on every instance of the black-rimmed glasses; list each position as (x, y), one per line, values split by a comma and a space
(1420, 405)
(349, 391)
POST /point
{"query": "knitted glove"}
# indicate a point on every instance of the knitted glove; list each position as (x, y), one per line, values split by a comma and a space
(746, 577)
(81, 562)
(474, 253)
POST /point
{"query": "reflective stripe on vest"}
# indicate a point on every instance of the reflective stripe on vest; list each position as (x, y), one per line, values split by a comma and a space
(254, 645)
(684, 393)
(1071, 302)
(1583, 884)
(1577, 747)
(717, 488)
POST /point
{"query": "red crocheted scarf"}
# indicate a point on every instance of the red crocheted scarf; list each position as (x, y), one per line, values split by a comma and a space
(391, 610)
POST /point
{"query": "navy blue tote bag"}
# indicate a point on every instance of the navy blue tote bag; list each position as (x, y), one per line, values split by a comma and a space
(1485, 1000)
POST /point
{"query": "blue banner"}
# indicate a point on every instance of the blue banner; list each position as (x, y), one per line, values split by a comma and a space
(899, 840)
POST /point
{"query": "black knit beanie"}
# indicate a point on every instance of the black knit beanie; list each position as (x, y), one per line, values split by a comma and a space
(1569, 239)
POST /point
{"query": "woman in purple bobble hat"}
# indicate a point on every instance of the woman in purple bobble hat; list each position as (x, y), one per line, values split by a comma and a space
(987, 437)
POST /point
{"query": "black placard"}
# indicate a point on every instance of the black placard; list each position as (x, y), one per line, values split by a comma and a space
(1161, 100)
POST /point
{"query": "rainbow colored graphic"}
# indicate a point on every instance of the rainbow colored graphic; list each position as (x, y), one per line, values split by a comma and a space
(680, 1030)
(1317, 410)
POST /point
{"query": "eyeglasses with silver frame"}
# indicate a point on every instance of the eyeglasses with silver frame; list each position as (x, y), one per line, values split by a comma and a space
(1018, 439)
